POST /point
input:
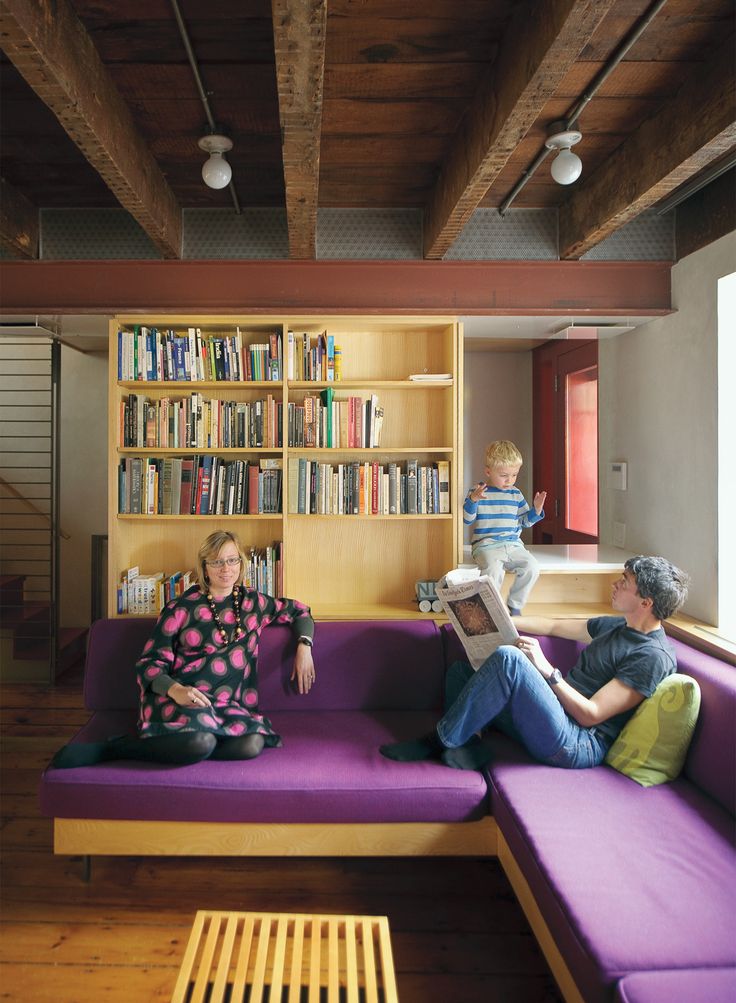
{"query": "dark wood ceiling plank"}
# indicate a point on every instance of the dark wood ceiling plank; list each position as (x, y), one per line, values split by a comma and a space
(299, 44)
(697, 127)
(18, 222)
(536, 53)
(51, 49)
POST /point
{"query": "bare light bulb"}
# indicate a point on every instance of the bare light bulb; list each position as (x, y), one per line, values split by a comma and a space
(216, 171)
(566, 167)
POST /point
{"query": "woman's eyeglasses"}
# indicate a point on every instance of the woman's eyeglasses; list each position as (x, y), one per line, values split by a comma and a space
(230, 562)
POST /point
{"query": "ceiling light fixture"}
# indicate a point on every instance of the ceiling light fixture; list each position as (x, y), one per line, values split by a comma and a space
(216, 172)
(567, 166)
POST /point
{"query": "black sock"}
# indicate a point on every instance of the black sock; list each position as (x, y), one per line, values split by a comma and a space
(473, 755)
(416, 749)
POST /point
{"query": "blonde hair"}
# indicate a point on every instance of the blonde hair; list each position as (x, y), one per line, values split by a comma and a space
(503, 453)
(208, 551)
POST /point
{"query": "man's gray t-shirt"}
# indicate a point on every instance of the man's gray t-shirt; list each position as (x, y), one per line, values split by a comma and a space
(639, 660)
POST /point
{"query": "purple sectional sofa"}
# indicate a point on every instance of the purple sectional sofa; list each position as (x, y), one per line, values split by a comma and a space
(619, 878)
(630, 891)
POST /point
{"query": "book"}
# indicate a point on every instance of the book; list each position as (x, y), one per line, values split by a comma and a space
(411, 487)
(443, 476)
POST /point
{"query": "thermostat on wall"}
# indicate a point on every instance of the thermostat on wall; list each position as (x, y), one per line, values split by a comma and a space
(618, 475)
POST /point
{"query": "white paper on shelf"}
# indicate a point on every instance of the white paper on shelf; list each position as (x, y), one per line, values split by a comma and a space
(432, 377)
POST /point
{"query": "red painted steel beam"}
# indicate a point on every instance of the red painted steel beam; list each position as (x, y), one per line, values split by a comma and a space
(353, 287)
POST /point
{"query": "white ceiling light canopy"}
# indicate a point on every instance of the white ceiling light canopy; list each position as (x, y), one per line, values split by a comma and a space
(216, 171)
(567, 166)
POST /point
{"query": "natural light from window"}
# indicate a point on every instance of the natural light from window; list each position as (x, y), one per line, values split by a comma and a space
(726, 456)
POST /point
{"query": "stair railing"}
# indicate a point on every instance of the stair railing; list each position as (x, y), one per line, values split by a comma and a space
(29, 503)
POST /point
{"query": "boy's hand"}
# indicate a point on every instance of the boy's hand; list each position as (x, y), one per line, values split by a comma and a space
(539, 500)
(477, 493)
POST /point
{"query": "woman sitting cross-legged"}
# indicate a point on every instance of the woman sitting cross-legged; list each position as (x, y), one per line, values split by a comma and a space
(197, 675)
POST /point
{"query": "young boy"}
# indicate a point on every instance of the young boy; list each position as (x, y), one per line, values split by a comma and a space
(498, 512)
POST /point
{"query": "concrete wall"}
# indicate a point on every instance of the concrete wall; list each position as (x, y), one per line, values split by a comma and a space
(658, 407)
(497, 405)
(83, 509)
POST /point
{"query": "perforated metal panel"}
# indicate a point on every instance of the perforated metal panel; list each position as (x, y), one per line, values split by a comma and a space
(92, 234)
(649, 237)
(222, 233)
(522, 234)
(385, 234)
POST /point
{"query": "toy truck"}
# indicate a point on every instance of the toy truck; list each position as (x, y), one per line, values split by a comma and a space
(427, 598)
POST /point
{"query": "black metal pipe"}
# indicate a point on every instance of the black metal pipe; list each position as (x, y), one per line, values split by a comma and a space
(573, 115)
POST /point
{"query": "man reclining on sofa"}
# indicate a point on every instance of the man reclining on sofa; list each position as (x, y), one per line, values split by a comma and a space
(568, 722)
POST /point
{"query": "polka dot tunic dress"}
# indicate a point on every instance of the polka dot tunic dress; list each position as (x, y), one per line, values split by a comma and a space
(187, 647)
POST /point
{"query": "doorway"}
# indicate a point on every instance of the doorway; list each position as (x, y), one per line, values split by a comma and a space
(565, 432)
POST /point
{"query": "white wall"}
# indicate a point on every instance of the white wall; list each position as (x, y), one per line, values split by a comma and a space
(497, 405)
(658, 407)
(83, 509)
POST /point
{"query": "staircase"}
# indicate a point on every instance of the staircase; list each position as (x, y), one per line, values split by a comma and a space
(26, 641)
(32, 647)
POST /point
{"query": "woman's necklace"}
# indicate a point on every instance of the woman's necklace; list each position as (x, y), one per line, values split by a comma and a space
(238, 632)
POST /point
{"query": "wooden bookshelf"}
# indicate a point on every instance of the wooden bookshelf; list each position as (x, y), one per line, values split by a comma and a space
(344, 566)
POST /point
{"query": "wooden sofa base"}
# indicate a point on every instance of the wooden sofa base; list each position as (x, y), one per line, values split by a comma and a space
(523, 892)
(113, 837)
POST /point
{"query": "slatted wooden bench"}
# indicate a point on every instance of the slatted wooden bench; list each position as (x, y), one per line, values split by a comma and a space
(286, 958)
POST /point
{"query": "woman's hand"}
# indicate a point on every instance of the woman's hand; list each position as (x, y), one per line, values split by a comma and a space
(532, 649)
(188, 696)
(303, 670)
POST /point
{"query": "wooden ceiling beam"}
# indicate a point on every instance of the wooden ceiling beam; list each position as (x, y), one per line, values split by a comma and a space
(695, 128)
(538, 49)
(18, 222)
(299, 29)
(53, 52)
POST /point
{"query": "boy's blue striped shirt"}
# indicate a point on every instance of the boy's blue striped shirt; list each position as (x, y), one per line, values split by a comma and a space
(499, 516)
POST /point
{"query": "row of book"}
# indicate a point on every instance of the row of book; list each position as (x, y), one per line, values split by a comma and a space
(324, 422)
(313, 357)
(196, 422)
(149, 354)
(368, 488)
(198, 485)
(147, 594)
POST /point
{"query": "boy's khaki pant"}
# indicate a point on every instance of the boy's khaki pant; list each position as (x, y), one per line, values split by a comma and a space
(494, 559)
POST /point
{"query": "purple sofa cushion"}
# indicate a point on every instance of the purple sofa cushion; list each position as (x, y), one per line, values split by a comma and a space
(627, 878)
(369, 665)
(379, 664)
(711, 759)
(328, 770)
(703, 985)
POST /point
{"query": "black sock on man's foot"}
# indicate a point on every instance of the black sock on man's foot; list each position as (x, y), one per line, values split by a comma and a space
(474, 755)
(415, 750)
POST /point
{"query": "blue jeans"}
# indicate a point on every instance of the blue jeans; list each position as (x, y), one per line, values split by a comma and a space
(508, 691)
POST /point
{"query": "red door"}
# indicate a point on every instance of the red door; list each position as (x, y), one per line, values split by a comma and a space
(565, 375)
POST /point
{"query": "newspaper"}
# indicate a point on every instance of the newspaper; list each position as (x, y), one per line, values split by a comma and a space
(477, 612)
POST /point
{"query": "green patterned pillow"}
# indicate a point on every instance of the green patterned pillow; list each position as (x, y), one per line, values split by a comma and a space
(652, 746)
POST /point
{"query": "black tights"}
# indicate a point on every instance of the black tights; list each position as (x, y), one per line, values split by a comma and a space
(186, 747)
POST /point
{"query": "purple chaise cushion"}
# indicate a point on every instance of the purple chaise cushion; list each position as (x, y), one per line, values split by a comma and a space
(702, 985)
(627, 878)
(329, 770)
